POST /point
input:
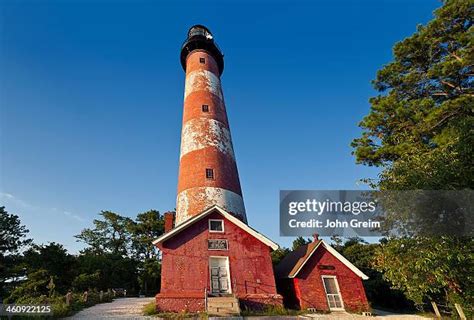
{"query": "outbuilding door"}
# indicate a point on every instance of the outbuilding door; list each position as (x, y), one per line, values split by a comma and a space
(219, 274)
(333, 294)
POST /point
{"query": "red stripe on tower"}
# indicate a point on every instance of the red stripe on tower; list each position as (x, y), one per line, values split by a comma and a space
(208, 173)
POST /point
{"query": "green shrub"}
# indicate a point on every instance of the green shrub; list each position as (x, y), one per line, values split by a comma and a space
(149, 309)
(60, 309)
(272, 310)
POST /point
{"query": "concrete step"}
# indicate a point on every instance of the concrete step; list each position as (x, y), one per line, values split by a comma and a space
(216, 299)
(223, 306)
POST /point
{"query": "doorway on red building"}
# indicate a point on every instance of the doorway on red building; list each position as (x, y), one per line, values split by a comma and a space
(333, 294)
(220, 275)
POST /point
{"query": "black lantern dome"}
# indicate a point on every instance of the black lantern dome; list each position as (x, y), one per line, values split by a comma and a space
(199, 37)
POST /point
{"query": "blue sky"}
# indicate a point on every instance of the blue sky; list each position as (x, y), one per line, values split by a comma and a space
(91, 99)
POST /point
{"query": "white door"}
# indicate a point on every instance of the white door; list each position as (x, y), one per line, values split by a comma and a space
(332, 293)
(220, 276)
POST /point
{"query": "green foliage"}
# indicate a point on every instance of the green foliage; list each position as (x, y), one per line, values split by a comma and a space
(127, 244)
(35, 286)
(419, 130)
(430, 268)
(278, 255)
(53, 258)
(58, 302)
(115, 271)
(300, 241)
(419, 127)
(12, 239)
(110, 235)
(378, 290)
(147, 227)
(149, 276)
(150, 309)
(120, 255)
(12, 233)
(272, 310)
(86, 281)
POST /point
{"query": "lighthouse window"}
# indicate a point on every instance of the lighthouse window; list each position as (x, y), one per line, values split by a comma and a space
(210, 173)
(205, 108)
(202, 60)
(216, 225)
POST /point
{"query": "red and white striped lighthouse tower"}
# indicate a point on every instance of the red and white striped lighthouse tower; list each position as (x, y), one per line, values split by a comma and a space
(207, 171)
(211, 259)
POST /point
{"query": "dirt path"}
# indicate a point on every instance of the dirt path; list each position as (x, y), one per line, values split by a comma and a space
(381, 315)
(131, 308)
(123, 308)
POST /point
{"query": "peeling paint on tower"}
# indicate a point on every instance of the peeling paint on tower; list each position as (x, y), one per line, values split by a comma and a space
(200, 198)
(202, 80)
(201, 133)
(206, 144)
(193, 269)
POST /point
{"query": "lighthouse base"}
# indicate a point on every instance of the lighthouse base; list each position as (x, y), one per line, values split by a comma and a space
(232, 261)
(180, 302)
(195, 302)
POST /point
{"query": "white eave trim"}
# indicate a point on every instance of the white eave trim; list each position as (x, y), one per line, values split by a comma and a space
(227, 215)
(339, 256)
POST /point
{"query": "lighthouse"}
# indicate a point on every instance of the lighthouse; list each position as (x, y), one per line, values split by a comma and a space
(208, 171)
(212, 260)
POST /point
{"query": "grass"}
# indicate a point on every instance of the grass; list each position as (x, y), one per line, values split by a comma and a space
(58, 303)
(150, 310)
(273, 311)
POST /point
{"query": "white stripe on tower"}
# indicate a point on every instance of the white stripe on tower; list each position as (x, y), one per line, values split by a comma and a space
(206, 143)
(203, 80)
(200, 133)
(207, 197)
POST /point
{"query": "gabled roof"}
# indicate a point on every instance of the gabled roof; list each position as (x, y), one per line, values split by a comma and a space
(292, 264)
(227, 215)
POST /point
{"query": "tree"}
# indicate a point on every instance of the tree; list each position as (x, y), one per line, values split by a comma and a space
(112, 234)
(12, 233)
(55, 260)
(299, 242)
(115, 270)
(419, 126)
(430, 268)
(278, 255)
(419, 131)
(149, 276)
(378, 290)
(86, 281)
(35, 286)
(12, 240)
(147, 227)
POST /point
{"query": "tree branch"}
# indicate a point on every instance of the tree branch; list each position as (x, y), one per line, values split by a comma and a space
(458, 58)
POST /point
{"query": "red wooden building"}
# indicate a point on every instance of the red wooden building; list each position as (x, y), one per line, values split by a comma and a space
(215, 254)
(317, 276)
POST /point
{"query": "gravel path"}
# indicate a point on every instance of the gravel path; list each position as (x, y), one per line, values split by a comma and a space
(131, 308)
(381, 315)
(123, 308)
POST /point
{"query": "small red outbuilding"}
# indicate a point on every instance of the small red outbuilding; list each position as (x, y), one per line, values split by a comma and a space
(317, 276)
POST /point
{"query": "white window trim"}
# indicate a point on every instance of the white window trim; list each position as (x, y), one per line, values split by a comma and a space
(216, 231)
(338, 292)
